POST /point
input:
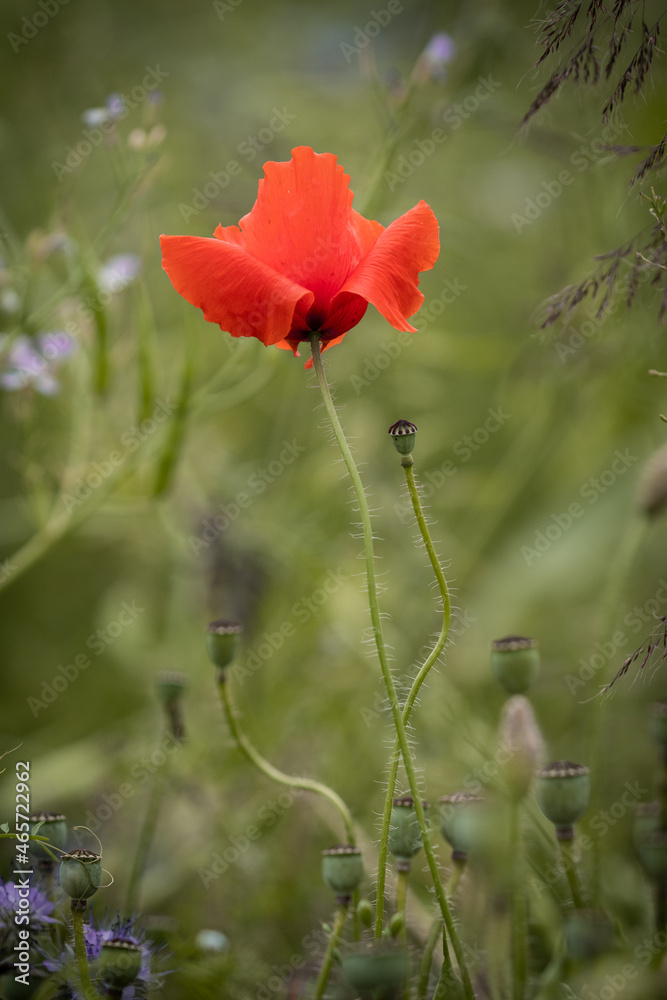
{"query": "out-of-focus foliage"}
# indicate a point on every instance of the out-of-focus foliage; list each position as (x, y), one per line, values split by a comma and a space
(530, 447)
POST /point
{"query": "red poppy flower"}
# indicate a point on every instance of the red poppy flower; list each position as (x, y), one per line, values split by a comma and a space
(303, 260)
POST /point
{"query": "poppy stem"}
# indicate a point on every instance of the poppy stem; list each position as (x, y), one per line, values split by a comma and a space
(334, 939)
(384, 663)
(253, 755)
(412, 694)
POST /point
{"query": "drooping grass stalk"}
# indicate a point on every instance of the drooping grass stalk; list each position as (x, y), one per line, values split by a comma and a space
(78, 909)
(518, 907)
(249, 751)
(332, 944)
(390, 686)
(412, 694)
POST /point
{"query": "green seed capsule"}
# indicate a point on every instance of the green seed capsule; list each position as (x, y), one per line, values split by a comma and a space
(80, 873)
(458, 814)
(119, 962)
(222, 640)
(51, 825)
(405, 838)
(403, 436)
(515, 662)
(376, 972)
(342, 868)
(170, 685)
(563, 792)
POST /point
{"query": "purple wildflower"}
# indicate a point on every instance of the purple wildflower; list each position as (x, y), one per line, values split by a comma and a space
(118, 272)
(40, 907)
(438, 53)
(31, 361)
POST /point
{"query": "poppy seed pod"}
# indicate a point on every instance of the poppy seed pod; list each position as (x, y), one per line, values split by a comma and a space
(80, 873)
(222, 639)
(119, 962)
(342, 868)
(51, 825)
(405, 838)
(403, 435)
(456, 822)
(170, 685)
(563, 792)
(515, 661)
(376, 972)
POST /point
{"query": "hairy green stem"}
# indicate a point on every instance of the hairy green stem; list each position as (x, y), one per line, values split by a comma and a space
(80, 950)
(327, 961)
(248, 750)
(390, 686)
(412, 694)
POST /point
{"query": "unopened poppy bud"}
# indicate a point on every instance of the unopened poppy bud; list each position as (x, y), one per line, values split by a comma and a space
(456, 822)
(119, 962)
(403, 436)
(365, 912)
(515, 661)
(652, 853)
(659, 723)
(397, 924)
(342, 868)
(652, 493)
(405, 838)
(51, 825)
(378, 970)
(222, 639)
(80, 873)
(563, 792)
(522, 741)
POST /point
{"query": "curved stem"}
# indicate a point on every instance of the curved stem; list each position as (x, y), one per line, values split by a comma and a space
(80, 949)
(412, 694)
(327, 961)
(308, 784)
(384, 663)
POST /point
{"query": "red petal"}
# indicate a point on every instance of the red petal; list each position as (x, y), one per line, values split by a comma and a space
(303, 226)
(233, 289)
(387, 277)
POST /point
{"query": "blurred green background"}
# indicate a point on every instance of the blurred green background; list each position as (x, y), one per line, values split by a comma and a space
(315, 705)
